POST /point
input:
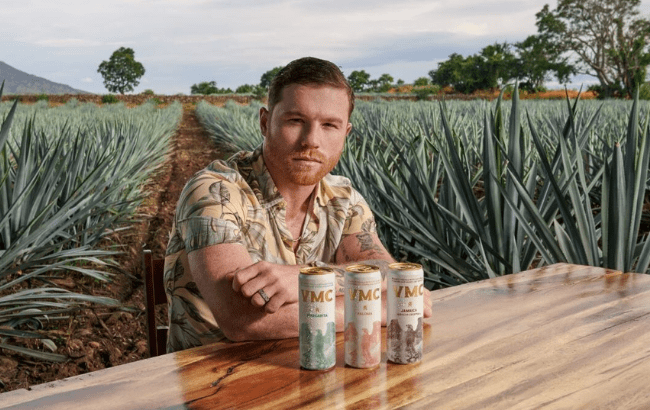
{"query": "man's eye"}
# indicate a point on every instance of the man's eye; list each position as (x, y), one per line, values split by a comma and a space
(295, 120)
(330, 125)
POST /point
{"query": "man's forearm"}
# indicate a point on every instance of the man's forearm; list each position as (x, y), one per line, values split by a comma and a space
(283, 324)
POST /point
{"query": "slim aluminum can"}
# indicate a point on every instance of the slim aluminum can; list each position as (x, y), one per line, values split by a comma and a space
(404, 316)
(317, 313)
(362, 316)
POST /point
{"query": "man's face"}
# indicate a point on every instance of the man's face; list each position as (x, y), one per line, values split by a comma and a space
(305, 133)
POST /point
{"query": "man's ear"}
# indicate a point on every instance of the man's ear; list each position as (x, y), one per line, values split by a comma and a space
(265, 116)
(348, 129)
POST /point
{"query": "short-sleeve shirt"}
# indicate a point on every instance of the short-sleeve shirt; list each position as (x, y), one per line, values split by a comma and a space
(236, 201)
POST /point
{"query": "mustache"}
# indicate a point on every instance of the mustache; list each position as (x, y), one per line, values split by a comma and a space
(310, 155)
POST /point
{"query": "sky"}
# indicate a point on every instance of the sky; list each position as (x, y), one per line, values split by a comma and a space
(184, 42)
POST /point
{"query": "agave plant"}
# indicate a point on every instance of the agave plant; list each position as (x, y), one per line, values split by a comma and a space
(473, 190)
(233, 126)
(59, 196)
(592, 229)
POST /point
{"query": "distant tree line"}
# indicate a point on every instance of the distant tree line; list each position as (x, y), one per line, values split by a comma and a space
(603, 38)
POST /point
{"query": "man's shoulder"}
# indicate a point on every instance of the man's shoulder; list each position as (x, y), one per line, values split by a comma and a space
(221, 169)
(234, 169)
(339, 187)
(221, 180)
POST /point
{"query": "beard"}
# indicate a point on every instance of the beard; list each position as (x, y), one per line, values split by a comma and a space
(308, 172)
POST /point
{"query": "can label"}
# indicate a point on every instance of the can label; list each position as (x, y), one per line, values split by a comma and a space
(404, 316)
(362, 316)
(317, 312)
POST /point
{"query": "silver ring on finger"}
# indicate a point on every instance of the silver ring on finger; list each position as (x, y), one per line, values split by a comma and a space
(264, 295)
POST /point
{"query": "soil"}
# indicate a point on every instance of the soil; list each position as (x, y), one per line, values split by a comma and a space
(97, 338)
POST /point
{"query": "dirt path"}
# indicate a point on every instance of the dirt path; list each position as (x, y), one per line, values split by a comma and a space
(98, 338)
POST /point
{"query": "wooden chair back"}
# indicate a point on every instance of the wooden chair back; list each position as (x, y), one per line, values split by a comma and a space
(154, 295)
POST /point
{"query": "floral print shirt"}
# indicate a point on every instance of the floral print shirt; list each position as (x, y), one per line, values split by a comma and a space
(236, 201)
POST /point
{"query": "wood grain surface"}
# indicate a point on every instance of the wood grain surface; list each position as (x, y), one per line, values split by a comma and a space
(559, 337)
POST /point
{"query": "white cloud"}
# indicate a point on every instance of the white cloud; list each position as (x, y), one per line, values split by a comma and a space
(87, 80)
(234, 42)
(67, 42)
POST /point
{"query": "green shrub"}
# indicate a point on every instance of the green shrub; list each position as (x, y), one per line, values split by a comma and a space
(245, 89)
(259, 92)
(154, 101)
(422, 81)
(423, 93)
(42, 97)
(109, 99)
(148, 92)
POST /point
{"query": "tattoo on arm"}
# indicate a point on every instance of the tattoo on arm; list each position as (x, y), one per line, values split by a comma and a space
(344, 253)
(367, 244)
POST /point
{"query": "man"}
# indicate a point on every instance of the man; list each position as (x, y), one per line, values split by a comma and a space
(245, 227)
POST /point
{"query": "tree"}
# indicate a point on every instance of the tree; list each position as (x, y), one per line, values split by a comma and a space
(208, 87)
(267, 77)
(205, 88)
(384, 83)
(359, 80)
(493, 65)
(245, 89)
(606, 38)
(257, 90)
(121, 72)
(537, 59)
(422, 81)
(449, 72)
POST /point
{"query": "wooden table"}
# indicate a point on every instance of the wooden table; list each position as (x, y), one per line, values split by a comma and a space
(559, 337)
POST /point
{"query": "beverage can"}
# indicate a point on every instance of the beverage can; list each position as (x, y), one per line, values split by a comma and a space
(317, 318)
(362, 316)
(404, 313)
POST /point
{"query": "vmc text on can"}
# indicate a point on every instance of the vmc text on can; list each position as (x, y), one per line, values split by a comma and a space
(362, 315)
(317, 313)
(404, 313)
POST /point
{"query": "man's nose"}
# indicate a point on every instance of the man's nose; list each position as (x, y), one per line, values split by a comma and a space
(311, 135)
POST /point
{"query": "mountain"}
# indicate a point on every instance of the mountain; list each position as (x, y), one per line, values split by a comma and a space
(19, 82)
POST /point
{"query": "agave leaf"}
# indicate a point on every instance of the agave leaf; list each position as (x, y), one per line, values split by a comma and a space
(539, 231)
(564, 210)
(580, 231)
(6, 124)
(50, 357)
(20, 333)
(461, 186)
(643, 261)
(515, 148)
(615, 219)
(564, 241)
(492, 195)
(49, 344)
(636, 174)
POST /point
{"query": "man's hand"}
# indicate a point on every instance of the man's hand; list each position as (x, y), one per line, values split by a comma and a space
(280, 283)
(214, 269)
